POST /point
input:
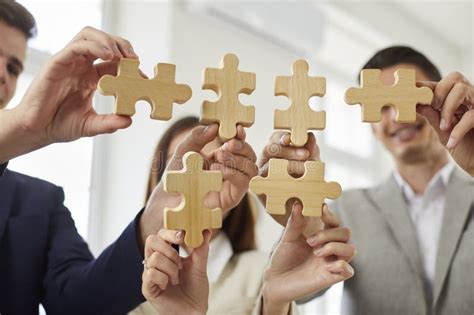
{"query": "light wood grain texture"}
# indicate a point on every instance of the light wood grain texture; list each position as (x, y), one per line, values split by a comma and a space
(310, 189)
(299, 117)
(228, 82)
(191, 215)
(128, 87)
(403, 95)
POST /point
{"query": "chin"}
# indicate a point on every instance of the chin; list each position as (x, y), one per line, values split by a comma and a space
(413, 154)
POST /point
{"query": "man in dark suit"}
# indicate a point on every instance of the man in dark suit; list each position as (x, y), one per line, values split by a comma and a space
(42, 257)
(43, 260)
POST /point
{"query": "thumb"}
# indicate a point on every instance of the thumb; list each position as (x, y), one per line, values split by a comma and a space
(194, 141)
(429, 84)
(101, 124)
(295, 225)
(200, 254)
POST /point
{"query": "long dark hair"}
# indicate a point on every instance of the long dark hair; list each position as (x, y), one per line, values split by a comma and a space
(239, 225)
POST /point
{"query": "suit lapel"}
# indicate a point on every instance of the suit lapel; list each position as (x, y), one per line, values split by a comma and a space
(390, 201)
(6, 198)
(459, 200)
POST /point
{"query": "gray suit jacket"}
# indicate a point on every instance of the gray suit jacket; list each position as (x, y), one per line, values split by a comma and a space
(388, 268)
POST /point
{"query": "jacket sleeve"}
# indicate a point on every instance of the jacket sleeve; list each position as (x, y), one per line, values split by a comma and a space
(76, 283)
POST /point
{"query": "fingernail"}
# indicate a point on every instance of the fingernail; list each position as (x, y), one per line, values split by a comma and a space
(282, 138)
(301, 153)
(318, 252)
(443, 124)
(451, 143)
(132, 52)
(312, 240)
(179, 235)
(206, 129)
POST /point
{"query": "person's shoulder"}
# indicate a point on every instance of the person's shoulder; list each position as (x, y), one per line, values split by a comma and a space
(28, 185)
(460, 175)
(355, 195)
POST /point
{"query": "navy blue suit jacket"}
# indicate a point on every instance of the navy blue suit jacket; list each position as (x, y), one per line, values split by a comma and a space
(44, 260)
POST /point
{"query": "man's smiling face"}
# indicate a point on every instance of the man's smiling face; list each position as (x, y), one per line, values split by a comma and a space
(12, 58)
(406, 142)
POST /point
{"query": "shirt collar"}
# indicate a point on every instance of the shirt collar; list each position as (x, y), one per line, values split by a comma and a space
(3, 167)
(440, 178)
(220, 252)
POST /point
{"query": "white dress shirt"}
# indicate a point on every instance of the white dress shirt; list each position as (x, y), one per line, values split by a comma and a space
(426, 212)
(220, 252)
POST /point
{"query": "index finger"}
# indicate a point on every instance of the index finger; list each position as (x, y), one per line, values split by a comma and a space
(195, 142)
(329, 219)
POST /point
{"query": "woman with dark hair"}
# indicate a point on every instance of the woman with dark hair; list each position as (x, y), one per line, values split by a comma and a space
(227, 275)
(235, 267)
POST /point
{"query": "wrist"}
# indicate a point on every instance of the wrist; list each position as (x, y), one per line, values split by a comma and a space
(272, 306)
(152, 218)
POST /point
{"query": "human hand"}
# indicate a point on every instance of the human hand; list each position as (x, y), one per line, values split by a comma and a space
(451, 115)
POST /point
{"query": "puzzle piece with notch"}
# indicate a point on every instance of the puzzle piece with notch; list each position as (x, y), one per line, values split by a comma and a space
(299, 117)
(310, 189)
(228, 82)
(191, 215)
(403, 95)
(129, 87)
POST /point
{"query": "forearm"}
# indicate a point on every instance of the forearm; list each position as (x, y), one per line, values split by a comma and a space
(272, 307)
(269, 308)
(152, 218)
(76, 283)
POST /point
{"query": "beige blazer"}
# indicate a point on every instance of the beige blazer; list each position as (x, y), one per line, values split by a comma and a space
(388, 266)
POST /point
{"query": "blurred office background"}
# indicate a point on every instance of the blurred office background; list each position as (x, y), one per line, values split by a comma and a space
(104, 178)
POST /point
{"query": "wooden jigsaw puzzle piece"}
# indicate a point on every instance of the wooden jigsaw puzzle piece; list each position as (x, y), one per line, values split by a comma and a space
(123, 86)
(310, 189)
(299, 117)
(275, 186)
(128, 87)
(191, 215)
(228, 82)
(166, 92)
(403, 95)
